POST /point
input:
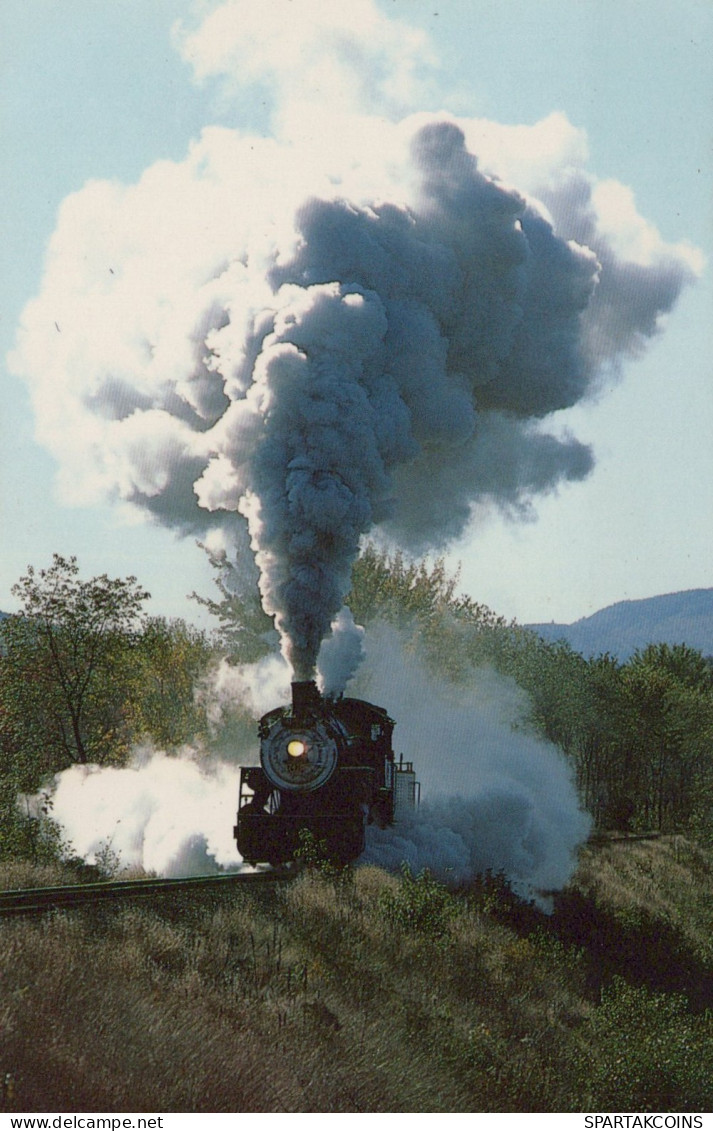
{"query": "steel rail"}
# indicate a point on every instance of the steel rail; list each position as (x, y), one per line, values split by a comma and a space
(27, 900)
(601, 840)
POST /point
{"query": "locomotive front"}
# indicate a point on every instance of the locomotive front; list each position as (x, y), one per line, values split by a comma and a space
(327, 766)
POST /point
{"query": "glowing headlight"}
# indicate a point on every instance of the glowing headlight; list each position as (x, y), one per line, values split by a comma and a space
(301, 759)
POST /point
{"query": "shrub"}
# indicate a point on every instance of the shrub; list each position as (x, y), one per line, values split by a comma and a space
(420, 905)
(651, 1054)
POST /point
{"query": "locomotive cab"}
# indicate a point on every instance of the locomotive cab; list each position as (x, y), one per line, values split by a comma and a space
(326, 765)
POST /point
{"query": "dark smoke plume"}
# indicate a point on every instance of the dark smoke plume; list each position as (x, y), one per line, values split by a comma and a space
(328, 343)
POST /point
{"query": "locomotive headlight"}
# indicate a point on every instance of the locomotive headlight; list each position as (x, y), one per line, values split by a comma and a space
(300, 759)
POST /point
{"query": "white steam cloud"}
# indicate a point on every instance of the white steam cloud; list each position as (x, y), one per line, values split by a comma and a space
(353, 324)
(341, 654)
(495, 796)
(167, 815)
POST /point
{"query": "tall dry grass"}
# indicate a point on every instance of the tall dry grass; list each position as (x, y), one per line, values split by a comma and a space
(357, 994)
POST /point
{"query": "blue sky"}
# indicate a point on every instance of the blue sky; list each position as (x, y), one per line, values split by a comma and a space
(97, 91)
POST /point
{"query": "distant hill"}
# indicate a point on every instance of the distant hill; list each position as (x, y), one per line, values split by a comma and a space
(674, 618)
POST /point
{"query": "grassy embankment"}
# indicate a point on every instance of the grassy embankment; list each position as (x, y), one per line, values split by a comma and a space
(376, 994)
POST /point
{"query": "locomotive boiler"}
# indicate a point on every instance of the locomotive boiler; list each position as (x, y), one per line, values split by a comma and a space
(327, 766)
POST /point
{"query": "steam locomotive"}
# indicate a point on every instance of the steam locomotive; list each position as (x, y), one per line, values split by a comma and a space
(327, 766)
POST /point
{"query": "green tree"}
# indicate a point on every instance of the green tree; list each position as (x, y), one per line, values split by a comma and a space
(671, 691)
(245, 630)
(65, 660)
(455, 632)
(399, 591)
(170, 660)
(607, 773)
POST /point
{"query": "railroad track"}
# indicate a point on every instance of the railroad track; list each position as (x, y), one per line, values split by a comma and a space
(35, 900)
(601, 839)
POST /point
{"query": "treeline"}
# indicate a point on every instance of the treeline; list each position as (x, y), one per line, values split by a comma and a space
(639, 734)
(86, 675)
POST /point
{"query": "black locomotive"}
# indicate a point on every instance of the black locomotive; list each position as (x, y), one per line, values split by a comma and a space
(327, 766)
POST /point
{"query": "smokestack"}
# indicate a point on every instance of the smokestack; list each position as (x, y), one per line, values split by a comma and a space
(306, 699)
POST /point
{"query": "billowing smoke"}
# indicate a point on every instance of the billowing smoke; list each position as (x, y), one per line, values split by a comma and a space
(495, 796)
(324, 338)
(341, 654)
(254, 688)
